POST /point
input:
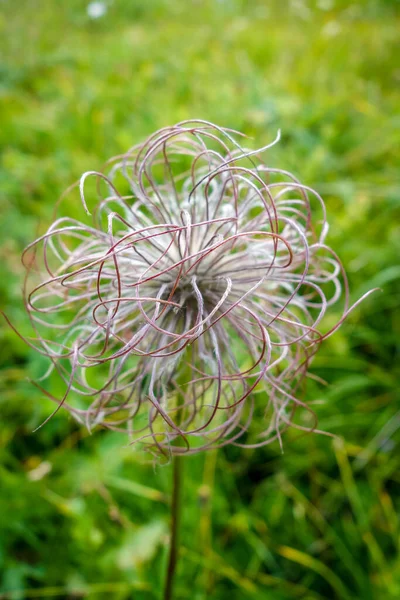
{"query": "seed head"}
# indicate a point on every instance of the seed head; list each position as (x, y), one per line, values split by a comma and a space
(190, 307)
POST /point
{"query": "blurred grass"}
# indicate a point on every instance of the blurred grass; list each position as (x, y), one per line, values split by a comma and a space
(84, 516)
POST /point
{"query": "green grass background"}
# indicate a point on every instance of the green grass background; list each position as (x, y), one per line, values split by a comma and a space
(85, 516)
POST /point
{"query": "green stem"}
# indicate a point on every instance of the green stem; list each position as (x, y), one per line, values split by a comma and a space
(175, 522)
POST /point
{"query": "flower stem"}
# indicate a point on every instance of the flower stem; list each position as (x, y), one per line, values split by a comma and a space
(175, 522)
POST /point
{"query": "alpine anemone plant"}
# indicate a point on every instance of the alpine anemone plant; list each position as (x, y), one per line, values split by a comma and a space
(186, 307)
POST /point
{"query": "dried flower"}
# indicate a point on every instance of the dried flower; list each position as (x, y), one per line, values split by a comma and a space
(190, 307)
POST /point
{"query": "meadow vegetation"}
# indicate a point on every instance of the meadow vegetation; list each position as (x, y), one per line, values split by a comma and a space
(86, 516)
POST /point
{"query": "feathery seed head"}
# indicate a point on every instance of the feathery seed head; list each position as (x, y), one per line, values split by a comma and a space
(189, 308)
